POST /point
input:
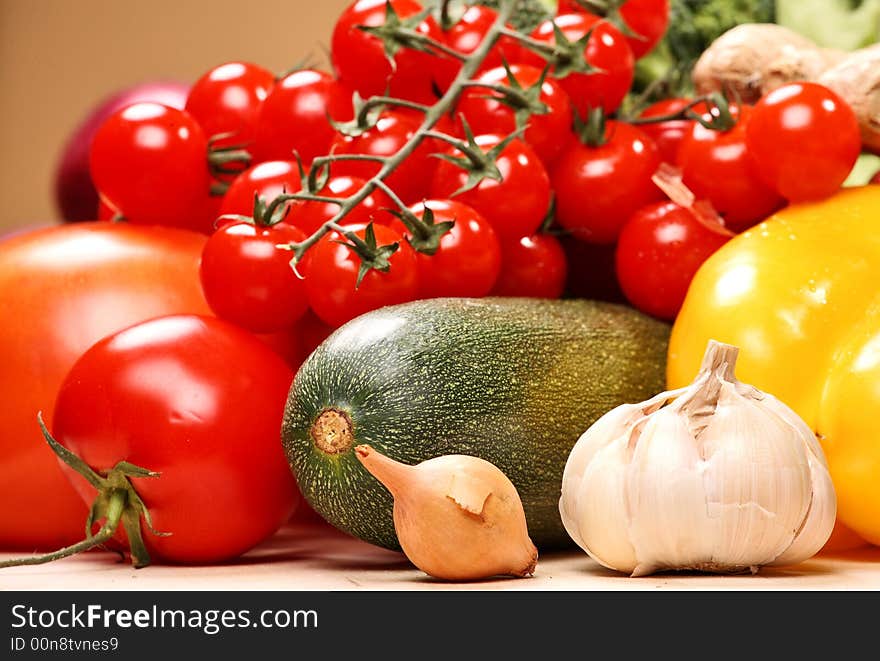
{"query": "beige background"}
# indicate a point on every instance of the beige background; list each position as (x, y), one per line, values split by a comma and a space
(58, 58)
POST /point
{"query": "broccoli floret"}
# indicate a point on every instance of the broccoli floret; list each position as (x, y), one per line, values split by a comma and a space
(693, 25)
(527, 14)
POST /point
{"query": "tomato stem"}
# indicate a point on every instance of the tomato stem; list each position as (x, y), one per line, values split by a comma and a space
(474, 155)
(390, 193)
(320, 164)
(540, 47)
(721, 118)
(115, 508)
(117, 500)
(592, 130)
(445, 19)
(470, 64)
(382, 101)
(419, 38)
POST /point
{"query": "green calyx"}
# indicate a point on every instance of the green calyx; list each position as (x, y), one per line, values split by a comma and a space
(365, 116)
(477, 163)
(610, 11)
(720, 116)
(371, 255)
(566, 56)
(226, 162)
(524, 101)
(264, 215)
(397, 34)
(117, 502)
(591, 131)
(425, 232)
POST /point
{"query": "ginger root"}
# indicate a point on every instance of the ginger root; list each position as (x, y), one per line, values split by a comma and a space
(752, 59)
(857, 80)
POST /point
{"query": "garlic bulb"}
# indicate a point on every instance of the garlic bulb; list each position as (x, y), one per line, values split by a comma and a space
(717, 477)
(457, 517)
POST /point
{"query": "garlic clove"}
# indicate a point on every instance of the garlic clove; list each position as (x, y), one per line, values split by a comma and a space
(603, 492)
(823, 502)
(757, 479)
(602, 432)
(669, 525)
(457, 517)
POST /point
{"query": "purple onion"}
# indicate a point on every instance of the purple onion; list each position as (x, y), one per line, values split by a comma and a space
(75, 194)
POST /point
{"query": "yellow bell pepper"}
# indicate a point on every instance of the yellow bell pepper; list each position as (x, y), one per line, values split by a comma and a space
(800, 295)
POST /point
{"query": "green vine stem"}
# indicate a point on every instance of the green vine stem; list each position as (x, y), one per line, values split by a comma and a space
(721, 117)
(432, 114)
(116, 502)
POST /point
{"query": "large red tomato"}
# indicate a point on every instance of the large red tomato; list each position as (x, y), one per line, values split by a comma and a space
(199, 401)
(64, 288)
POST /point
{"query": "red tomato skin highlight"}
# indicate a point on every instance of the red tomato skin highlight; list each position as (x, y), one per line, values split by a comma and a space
(516, 205)
(534, 266)
(227, 99)
(248, 281)
(717, 166)
(659, 251)
(293, 117)
(788, 140)
(598, 188)
(332, 276)
(468, 260)
(606, 50)
(360, 62)
(546, 133)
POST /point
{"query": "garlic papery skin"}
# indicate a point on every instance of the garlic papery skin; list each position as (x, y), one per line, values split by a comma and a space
(457, 517)
(717, 476)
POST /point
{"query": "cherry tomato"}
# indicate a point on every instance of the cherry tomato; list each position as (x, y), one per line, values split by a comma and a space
(717, 166)
(648, 19)
(606, 50)
(150, 161)
(267, 180)
(546, 133)
(533, 266)
(309, 216)
(74, 192)
(64, 288)
(598, 188)
(788, 139)
(411, 179)
(659, 251)
(200, 402)
(876, 178)
(515, 206)
(359, 57)
(668, 135)
(248, 280)
(227, 99)
(468, 32)
(332, 276)
(293, 117)
(469, 257)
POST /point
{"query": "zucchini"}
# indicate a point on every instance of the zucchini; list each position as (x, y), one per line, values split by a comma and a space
(514, 381)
